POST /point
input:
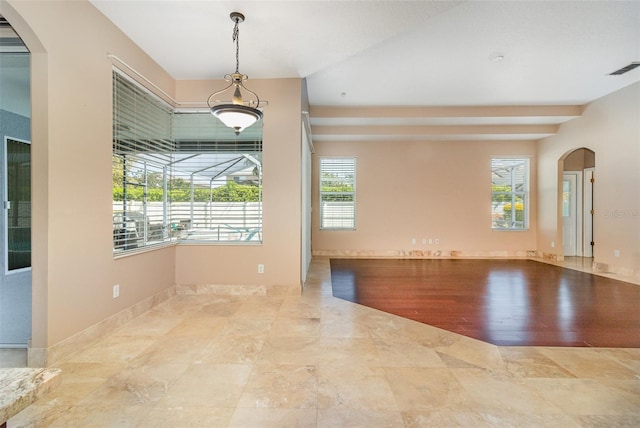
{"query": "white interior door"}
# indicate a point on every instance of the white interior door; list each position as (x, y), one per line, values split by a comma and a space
(570, 216)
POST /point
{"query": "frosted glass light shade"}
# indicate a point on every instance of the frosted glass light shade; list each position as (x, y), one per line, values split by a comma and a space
(236, 116)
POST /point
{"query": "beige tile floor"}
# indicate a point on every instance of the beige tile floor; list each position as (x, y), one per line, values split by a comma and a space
(317, 361)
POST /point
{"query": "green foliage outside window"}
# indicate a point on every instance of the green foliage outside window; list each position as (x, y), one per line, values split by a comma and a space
(336, 189)
(501, 193)
(519, 211)
(231, 192)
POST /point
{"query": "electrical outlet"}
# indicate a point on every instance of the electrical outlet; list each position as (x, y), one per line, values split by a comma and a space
(616, 253)
(260, 268)
(424, 241)
(413, 241)
(430, 241)
(553, 244)
(437, 241)
(116, 291)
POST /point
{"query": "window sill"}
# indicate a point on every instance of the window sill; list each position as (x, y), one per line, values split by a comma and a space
(220, 243)
(141, 250)
(155, 247)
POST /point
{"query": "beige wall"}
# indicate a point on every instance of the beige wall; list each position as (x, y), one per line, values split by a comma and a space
(73, 265)
(280, 251)
(424, 189)
(611, 128)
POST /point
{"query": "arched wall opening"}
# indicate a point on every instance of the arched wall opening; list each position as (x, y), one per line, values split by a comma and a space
(576, 177)
(39, 177)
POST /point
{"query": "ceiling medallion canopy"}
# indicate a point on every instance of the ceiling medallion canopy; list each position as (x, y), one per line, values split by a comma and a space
(237, 114)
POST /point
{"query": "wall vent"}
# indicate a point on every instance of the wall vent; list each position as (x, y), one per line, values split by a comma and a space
(625, 69)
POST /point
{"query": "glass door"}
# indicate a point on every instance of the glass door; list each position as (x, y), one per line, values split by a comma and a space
(18, 204)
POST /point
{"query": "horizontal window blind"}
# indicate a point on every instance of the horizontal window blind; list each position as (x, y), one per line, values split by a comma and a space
(142, 147)
(337, 193)
(142, 123)
(196, 132)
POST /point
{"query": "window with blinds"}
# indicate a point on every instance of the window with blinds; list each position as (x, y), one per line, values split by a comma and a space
(142, 150)
(337, 193)
(181, 175)
(216, 182)
(509, 194)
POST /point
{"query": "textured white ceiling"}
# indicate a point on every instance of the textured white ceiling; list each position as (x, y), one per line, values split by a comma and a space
(399, 52)
(403, 53)
(554, 53)
(192, 39)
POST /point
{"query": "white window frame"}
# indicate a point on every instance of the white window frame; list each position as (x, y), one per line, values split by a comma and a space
(518, 194)
(344, 217)
(145, 120)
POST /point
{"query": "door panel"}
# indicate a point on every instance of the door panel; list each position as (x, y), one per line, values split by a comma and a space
(569, 215)
(15, 272)
(18, 205)
(589, 175)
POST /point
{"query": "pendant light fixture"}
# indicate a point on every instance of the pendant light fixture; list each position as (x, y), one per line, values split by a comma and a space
(237, 114)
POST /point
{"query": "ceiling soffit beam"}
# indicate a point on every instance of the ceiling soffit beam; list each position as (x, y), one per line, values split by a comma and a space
(392, 139)
(472, 111)
(434, 130)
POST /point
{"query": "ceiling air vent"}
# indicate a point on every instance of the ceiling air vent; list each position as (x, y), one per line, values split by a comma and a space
(625, 69)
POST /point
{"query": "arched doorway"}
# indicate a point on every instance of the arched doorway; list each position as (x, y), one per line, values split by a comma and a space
(576, 202)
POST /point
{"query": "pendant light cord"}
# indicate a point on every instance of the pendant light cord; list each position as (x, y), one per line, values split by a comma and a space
(236, 38)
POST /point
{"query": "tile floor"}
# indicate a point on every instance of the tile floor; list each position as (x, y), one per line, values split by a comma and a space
(317, 361)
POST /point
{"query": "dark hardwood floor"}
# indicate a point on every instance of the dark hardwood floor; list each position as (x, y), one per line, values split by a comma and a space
(504, 302)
